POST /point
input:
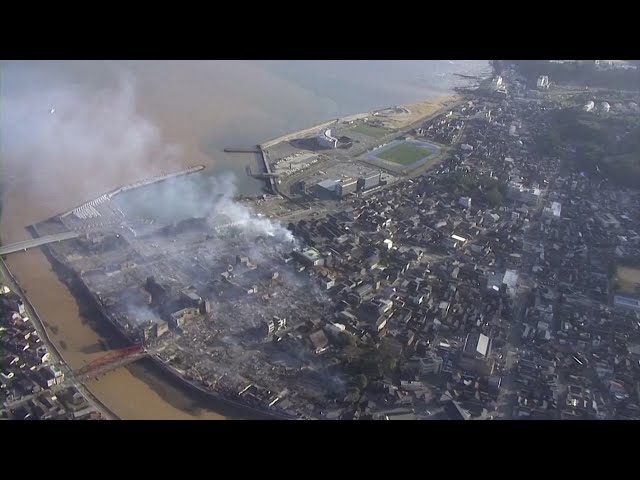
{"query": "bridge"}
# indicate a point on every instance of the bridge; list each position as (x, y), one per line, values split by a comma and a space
(112, 360)
(36, 242)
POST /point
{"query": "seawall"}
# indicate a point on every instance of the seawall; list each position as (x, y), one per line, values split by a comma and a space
(300, 133)
(44, 336)
(143, 183)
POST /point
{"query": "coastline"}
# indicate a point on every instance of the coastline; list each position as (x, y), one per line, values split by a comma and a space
(157, 362)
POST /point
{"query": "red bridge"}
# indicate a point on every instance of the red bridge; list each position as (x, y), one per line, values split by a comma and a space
(111, 361)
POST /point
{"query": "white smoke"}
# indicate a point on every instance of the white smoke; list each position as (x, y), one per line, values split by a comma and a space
(94, 136)
(241, 216)
(99, 140)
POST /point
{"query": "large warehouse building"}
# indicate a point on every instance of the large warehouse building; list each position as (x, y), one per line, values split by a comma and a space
(370, 180)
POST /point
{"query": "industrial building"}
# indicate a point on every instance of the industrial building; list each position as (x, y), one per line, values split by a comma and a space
(325, 189)
(346, 186)
(371, 180)
(329, 189)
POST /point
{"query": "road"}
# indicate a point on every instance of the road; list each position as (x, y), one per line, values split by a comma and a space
(356, 154)
(57, 359)
(36, 242)
(508, 391)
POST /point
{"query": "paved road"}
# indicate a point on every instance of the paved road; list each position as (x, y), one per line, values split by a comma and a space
(36, 242)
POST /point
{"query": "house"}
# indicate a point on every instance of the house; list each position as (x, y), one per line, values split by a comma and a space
(465, 202)
(319, 341)
(179, 318)
(328, 282)
(47, 378)
(309, 257)
(477, 345)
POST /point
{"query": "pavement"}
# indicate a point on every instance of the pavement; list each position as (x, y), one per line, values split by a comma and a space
(36, 242)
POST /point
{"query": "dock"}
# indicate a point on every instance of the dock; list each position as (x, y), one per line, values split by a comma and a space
(242, 150)
(267, 175)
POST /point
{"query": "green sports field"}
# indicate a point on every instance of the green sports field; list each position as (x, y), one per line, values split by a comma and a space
(405, 153)
(370, 130)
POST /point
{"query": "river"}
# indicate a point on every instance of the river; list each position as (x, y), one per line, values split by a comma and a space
(71, 130)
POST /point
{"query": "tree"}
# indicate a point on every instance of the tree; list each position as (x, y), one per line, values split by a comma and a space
(351, 353)
(494, 197)
(353, 395)
(347, 340)
(361, 381)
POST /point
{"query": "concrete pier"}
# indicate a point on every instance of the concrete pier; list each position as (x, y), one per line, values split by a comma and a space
(242, 150)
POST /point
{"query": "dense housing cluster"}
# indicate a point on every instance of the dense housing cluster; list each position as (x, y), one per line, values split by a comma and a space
(28, 375)
(497, 284)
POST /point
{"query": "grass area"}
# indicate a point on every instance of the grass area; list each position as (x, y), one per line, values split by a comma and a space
(433, 162)
(370, 130)
(628, 279)
(405, 153)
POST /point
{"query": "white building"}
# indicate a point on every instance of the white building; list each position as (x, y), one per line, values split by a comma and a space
(459, 239)
(543, 82)
(554, 210)
(589, 106)
(605, 107)
(465, 202)
(510, 279)
(512, 130)
(326, 140)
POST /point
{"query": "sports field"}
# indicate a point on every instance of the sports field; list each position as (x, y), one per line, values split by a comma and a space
(370, 130)
(628, 279)
(405, 153)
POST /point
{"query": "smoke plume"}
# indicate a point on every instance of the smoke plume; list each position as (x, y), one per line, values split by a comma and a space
(99, 137)
(68, 127)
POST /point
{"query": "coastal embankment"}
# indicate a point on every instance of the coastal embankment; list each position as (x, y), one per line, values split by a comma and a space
(301, 133)
(51, 347)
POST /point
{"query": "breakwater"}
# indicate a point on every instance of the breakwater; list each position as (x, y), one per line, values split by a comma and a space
(141, 183)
